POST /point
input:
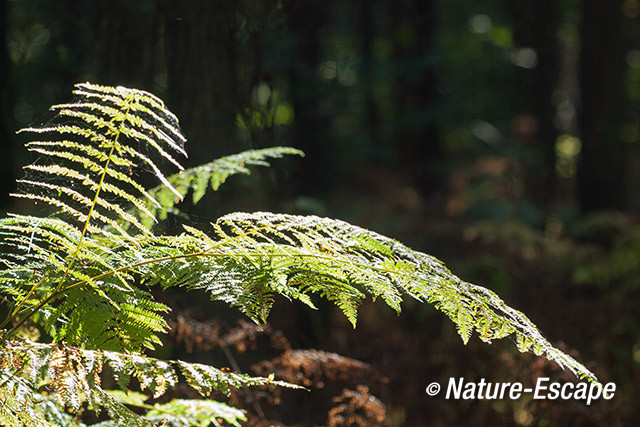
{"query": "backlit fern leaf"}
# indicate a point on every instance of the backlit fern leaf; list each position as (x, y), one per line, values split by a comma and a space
(98, 142)
(91, 155)
(181, 412)
(259, 255)
(341, 262)
(186, 413)
(205, 379)
(120, 318)
(209, 175)
(108, 314)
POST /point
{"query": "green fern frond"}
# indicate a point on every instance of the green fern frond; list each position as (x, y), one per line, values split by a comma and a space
(110, 133)
(196, 413)
(99, 144)
(205, 379)
(40, 247)
(340, 260)
(259, 255)
(109, 318)
(180, 412)
(210, 175)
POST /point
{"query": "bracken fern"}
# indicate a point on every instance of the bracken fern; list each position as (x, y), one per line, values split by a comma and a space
(82, 271)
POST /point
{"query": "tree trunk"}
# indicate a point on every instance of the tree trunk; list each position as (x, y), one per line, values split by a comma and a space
(6, 115)
(536, 27)
(305, 19)
(366, 28)
(417, 137)
(125, 54)
(202, 74)
(602, 169)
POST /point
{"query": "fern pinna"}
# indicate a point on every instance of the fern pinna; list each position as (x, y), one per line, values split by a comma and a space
(81, 271)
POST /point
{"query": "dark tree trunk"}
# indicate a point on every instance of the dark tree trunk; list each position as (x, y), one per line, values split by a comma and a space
(417, 137)
(202, 74)
(536, 27)
(602, 169)
(366, 24)
(304, 20)
(6, 114)
(126, 43)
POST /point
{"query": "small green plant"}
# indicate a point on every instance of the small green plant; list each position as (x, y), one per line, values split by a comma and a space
(75, 283)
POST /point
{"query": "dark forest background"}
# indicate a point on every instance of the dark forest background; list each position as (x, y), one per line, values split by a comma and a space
(502, 137)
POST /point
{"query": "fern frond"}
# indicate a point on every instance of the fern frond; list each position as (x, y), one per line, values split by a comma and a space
(109, 318)
(111, 313)
(73, 375)
(180, 412)
(110, 133)
(256, 256)
(99, 143)
(210, 175)
(259, 255)
(34, 252)
(187, 413)
(351, 260)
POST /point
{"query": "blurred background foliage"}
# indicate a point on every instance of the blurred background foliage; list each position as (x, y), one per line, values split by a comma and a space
(501, 136)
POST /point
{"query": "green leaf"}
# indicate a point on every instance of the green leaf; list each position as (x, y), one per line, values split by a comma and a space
(197, 413)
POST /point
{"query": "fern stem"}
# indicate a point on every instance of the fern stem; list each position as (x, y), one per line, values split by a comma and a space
(208, 252)
(94, 202)
(236, 367)
(16, 310)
